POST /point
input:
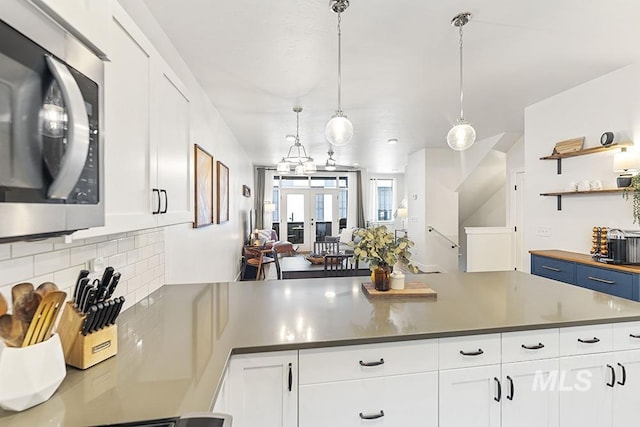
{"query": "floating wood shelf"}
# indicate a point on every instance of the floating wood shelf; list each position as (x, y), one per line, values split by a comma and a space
(584, 152)
(559, 194)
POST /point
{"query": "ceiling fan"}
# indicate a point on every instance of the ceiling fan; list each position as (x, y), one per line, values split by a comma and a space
(331, 164)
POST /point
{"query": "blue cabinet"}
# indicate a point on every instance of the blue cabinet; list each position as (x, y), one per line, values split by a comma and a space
(602, 279)
(556, 269)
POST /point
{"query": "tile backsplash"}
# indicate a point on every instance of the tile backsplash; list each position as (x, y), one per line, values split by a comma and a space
(137, 255)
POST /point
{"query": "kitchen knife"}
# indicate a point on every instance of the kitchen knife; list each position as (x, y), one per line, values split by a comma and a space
(82, 275)
(90, 297)
(117, 310)
(104, 282)
(110, 310)
(112, 286)
(89, 320)
(102, 316)
(82, 290)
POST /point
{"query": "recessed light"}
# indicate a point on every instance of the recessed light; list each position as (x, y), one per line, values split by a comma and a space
(392, 141)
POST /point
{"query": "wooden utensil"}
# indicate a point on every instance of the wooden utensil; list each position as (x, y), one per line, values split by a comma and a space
(25, 305)
(11, 330)
(18, 290)
(45, 288)
(44, 318)
(3, 305)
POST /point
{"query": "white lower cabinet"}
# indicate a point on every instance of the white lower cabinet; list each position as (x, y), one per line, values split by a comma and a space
(529, 393)
(586, 396)
(399, 400)
(470, 397)
(263, 389)
(626, 392)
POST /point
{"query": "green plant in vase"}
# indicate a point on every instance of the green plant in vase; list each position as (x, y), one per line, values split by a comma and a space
(380, 248)
(635, 188)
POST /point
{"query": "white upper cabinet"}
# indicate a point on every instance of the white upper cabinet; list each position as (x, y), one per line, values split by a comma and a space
(87, 20)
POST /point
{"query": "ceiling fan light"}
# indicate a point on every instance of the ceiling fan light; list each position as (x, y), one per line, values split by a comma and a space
(461, 136)
(339, 130)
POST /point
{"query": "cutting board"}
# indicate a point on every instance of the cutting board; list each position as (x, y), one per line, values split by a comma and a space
(411, 289)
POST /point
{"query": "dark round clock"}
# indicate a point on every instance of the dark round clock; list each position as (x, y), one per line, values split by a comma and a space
(606, 138)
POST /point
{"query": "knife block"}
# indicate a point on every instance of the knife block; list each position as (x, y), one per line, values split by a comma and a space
(84, 351)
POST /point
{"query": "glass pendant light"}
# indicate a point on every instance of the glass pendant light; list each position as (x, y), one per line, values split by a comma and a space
(339, 130)
(297, 155)
(462, 135)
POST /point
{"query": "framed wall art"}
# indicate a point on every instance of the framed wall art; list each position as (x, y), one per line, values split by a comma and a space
(223, 193)
(246, 191)
(204, 205)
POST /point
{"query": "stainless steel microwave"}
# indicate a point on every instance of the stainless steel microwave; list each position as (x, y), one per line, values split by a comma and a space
(50, 138)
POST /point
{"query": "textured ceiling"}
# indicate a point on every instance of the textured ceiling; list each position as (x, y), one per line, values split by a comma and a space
(257, 58)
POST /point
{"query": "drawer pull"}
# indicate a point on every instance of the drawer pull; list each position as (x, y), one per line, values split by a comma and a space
(624, 374)
(290, 382)
(510, 395)
(634, 336)
(613, 376)
(591, 341)
(597, 279)
(372, 417)
(546, 267)
(380, 362)
(499, 396)
(533, 347)
(472, 353)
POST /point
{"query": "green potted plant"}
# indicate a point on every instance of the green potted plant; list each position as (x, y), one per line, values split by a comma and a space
(382, 250)
(635, 188)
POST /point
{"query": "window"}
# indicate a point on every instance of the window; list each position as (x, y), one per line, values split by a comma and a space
(381, 207)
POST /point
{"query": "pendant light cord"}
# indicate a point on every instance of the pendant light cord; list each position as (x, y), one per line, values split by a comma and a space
(339, 63)
(461, 90)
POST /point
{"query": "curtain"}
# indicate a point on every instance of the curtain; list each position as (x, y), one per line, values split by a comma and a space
(268, 197)
(360, 204)
(259, 198)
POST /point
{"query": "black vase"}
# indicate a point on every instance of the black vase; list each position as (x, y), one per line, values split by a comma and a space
(623, 181)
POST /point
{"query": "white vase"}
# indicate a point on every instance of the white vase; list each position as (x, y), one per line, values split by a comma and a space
(397, 280)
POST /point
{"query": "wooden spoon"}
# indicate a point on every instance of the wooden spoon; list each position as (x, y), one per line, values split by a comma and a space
(18, 290)
(11, 330)
(3, 305)
(25, 306)
(45, 288)
(44, 318)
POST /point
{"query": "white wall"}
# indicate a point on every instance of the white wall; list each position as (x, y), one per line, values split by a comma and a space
(608, 103)
(210, 253)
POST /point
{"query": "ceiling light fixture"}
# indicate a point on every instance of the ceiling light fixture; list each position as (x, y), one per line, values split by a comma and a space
(297, 155)
(462, 135)
(330, 164)
(339, 130)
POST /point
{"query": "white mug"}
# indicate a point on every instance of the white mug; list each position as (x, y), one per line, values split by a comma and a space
(572, 186)
(596, 184)
(584, 185)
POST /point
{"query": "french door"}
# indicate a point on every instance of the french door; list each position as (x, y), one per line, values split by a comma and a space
(308, 215)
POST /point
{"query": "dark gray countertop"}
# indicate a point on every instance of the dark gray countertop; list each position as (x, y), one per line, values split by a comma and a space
(174, 346)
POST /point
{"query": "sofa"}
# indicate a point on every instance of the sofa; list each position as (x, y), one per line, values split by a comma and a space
(269, 239)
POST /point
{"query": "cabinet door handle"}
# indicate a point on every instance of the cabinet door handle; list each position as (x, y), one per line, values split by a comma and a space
(166, 201)
(597, 279)
(546, 267)
(373, 416)
(157, 210)
(510, 395)
(533, 347)
(634, 336)
(290, 377)
(472, 353)
(591, 341)
(613, 376)
(624, 374)
(378, 363)
(499, 396)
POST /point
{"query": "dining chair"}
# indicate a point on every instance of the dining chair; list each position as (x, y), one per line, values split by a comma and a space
(338, 265)
(276, 261)
(257, 257)
(326, 247)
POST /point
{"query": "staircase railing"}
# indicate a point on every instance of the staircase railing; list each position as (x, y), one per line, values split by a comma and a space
(454, 245)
